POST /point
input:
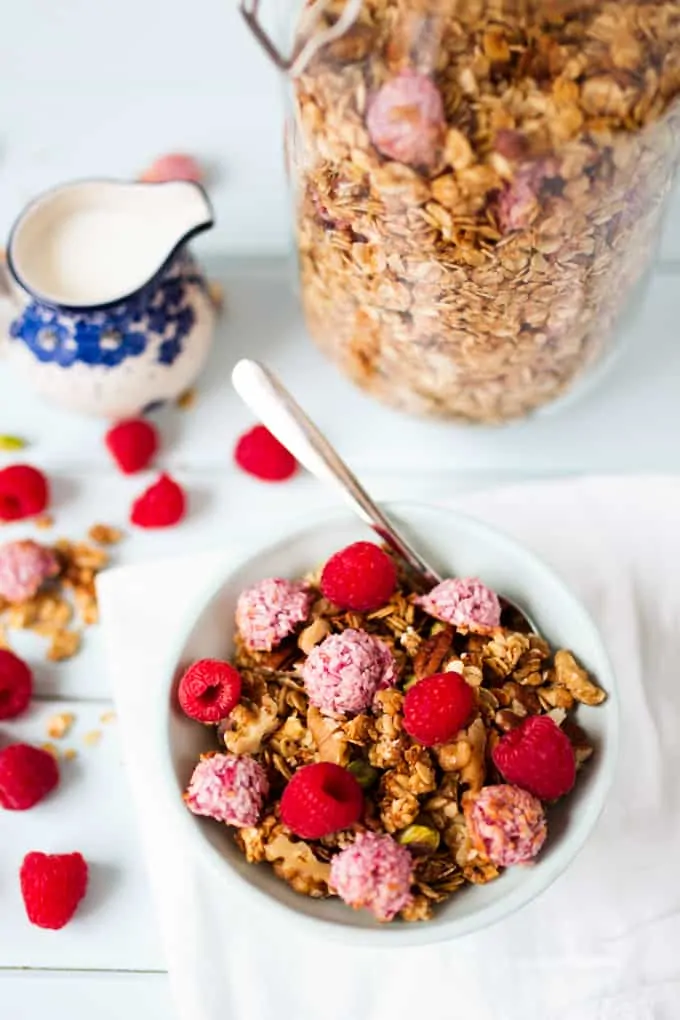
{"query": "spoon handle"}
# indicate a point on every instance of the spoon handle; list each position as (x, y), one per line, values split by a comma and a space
(274, 406)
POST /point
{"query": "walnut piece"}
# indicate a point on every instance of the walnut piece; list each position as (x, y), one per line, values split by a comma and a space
(249, 725)
(329, 737)
(295, 862)
(576, 680)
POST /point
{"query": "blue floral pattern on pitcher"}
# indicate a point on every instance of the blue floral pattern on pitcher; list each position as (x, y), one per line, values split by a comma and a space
(109, 336)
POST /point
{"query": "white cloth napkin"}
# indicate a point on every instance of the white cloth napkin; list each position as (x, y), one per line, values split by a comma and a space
(603, 943)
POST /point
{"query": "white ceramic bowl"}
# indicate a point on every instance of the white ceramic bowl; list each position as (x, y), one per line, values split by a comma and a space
(456, 545)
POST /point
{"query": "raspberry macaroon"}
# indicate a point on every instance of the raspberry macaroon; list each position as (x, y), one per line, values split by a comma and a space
(437, 707)
(361, 577)
(507, 824)
(406, 119)
(230, 788)
(270, 611)
(374, 872)
(320, 799)
(537, 756)
(24, 568)
(465, 603)
(209, 690)
(343, 674)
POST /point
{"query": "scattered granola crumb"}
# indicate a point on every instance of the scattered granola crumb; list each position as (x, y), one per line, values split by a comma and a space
(92, 738)
(64, 645)
(107, 717)
(70, 753)
(51, 749)
(59, 725)
(186, 400)
(104, 534)
(44, 521)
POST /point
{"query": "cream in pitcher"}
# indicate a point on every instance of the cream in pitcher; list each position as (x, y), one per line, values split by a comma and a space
(112, 315)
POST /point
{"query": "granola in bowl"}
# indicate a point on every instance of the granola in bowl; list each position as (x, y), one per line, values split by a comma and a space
(384, 756)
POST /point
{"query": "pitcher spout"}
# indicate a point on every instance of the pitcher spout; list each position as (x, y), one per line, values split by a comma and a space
(93, 244)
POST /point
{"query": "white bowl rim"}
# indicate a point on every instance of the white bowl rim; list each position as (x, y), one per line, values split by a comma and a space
(389, 935)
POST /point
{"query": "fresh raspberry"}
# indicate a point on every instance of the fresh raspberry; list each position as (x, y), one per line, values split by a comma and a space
(175, 166)
(162, 505)
(16, 684)
(321, 799)
(260, 454)
(27, 774)
(361, 577)
(538, 757)
(436, 708)
(24, 492)
(132, 444)
(52, 886)
(209, 690)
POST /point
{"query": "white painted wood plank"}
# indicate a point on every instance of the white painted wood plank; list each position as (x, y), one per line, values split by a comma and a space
(90, 812)
(81, 996)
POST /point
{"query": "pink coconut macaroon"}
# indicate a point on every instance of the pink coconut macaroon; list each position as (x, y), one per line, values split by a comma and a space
(406, 120)
(507, 824)
(343, 674)
(465, 603)
(270, 610)
(229, 788)
(24, 567)
(374, 872)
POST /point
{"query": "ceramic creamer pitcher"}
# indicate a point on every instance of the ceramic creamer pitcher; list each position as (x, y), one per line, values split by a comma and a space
(109, 314)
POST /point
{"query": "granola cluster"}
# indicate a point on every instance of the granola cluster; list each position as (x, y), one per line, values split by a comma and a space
(479, 189)
(66, 595)
(420, 797)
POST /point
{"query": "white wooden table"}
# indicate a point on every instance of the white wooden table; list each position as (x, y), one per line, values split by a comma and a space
(110, 964)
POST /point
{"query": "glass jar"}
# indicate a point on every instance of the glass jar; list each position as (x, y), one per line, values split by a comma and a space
(479, 186)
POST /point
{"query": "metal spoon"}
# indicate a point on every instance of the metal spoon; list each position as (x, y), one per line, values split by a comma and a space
(274, 406)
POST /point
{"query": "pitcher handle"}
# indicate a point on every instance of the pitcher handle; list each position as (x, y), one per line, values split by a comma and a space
(9, 305)
(309, 44)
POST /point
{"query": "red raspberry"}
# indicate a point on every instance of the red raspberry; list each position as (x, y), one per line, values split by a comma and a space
(52, 886)
(321, 799)
(209, 690)
(361, 577)
(27, 774)
(175, 166)
(132, 444)
(160, 506)
(538, 757)
(24, 492)
(436, 708)
(260, 454)
(16, 684)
